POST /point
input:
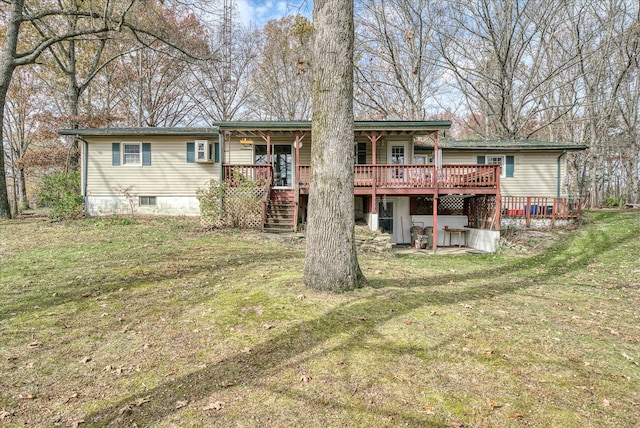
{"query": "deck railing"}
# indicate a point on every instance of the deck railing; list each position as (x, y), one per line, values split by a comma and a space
(540, 207)
(260, 174)
(415, 176)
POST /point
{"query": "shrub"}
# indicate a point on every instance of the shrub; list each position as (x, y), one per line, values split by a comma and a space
(615, 201)
(242, 206)
(61, 193)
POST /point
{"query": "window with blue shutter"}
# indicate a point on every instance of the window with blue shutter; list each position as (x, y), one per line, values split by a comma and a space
(216, 152)
(481, 160)
(146, 154)
(510, 166)
(115, 154)
(191, 152)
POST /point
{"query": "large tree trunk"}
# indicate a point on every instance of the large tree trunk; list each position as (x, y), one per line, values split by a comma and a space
(331, 262)
(7, 67)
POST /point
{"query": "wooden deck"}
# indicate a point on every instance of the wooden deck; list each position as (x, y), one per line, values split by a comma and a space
(391, 179)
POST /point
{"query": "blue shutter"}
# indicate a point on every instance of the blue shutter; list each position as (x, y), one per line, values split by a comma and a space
(510, 166)
(115, 154)
(481, 160)
(216, 154)
(146, 154)
(191, 152)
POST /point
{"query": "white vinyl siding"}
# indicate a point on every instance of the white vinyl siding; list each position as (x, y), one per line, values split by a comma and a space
(168, 175)
(535, 172)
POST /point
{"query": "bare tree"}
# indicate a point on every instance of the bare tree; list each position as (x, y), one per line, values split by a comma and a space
(498, 51)
(331, 261)
(282, 80)
(397, 71)
(222, 87)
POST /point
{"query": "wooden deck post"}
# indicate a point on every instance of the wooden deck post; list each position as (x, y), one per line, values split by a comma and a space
(436, 191)
(527, 213)
(296, 180)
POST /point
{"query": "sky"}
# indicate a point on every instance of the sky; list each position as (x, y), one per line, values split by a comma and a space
(261, 11)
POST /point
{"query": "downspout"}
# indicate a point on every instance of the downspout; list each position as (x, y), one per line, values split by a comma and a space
(564, 152)
(221, 167)
(220, 152)
(85, 163)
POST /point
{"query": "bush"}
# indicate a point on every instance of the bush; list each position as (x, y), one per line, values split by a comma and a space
(210, 203)
(615, 201)
(242, 206)
(61, 193)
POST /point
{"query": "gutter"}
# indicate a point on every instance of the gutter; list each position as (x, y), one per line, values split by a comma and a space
(564, 152)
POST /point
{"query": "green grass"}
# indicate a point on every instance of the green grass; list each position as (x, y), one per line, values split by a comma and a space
(157, 322)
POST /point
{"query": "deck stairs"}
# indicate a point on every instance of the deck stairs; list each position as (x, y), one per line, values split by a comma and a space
(281, 211)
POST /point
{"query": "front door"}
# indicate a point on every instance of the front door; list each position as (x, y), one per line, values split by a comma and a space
(385, 217)
(397, 156)
(281, 161)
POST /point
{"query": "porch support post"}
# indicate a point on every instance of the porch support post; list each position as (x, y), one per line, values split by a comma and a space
(498, 212)
(268, 140)
(296, 180)
(436, 191)
(373, 138)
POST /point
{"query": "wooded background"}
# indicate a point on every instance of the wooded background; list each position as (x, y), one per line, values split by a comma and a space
(556, 70)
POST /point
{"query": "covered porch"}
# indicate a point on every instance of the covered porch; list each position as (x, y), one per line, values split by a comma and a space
(387, 166)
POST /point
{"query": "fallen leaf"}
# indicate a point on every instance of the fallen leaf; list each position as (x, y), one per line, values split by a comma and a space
(268, 326)
(140, 401)
(77, 423)
(35, 345)
(305, 378)
(182, 403)
(214, 405)
(85, 360)
(4, 415)
(493, 404)
(630, 359)
(25, 396)
(606, 403)
(515, 416)
(455, 424)
(225, 384)
(72, 396)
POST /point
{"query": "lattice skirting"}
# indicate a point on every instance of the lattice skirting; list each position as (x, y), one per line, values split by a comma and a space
(241, 208)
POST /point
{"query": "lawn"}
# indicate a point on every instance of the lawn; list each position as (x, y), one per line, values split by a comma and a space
(119, 322)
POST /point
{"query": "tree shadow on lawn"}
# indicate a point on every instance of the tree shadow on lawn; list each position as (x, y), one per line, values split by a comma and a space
(274, 354)
(80, 291)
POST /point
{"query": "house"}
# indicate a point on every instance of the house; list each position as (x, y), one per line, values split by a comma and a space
(406, 178)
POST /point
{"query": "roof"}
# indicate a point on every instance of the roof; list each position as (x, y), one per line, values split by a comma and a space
(359, 125)
(108, 132)
(511, 145)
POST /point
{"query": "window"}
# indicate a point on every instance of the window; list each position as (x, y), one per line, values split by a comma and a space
(507, 164)
(203, 151)
(147, 200)
(131, 154)
(360, 153)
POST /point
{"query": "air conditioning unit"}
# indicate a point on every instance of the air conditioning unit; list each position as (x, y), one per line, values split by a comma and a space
(204, 151)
